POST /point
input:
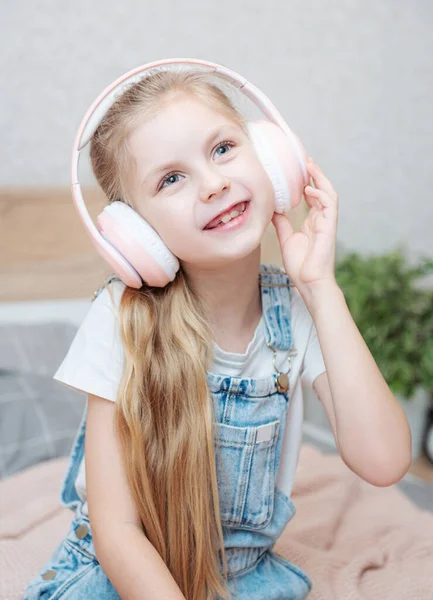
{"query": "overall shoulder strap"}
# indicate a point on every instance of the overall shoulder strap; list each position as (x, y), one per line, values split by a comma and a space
(108, 280)
(275, 290)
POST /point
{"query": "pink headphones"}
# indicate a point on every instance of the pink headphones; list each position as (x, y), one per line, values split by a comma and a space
(123, 238)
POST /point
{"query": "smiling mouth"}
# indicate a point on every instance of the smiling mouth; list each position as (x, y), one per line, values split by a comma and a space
(226, 217)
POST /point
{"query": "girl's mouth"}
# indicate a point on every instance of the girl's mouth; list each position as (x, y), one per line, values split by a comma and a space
(235, 221)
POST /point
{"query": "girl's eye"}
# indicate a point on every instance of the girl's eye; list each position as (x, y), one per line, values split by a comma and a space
(167, 178)
(170, 176)
(224, 145)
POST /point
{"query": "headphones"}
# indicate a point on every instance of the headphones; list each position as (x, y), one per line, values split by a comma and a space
(123, 238)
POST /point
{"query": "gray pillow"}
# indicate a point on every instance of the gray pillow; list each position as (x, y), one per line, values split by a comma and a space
(39, 417)
(36, 348)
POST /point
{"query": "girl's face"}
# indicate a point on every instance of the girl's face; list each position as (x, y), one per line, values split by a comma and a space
(192, 164)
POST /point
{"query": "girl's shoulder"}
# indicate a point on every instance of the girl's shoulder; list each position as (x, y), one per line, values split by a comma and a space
(93, 363)
(270, 271)
(301, 322)
(299, 314)
(108, 295)
(111, 283)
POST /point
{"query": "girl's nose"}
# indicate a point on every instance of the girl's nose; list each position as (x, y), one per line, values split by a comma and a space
(214, 183)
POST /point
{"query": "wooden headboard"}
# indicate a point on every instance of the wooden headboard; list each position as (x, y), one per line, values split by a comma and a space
(46, 253)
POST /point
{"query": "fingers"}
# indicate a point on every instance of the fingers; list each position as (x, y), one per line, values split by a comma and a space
(282, 225)
(321, 182)
(310, 199)
(316, 194)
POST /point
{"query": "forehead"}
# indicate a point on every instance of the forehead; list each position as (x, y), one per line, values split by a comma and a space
(182, 118)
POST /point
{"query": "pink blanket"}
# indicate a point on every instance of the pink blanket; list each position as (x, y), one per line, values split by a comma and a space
(356, 541)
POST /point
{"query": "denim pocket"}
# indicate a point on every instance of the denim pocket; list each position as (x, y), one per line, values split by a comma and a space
(67, 566)
(245, 464)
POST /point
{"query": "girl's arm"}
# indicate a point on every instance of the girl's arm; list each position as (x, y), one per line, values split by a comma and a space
(133, 565)
(130, 561)
(370, 427)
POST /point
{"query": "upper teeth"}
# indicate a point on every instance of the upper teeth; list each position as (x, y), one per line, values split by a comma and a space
(229, 216)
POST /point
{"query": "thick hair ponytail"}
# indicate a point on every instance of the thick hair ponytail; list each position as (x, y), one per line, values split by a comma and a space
(164, 413)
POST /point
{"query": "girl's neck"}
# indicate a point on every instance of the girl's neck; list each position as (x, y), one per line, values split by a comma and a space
(232, 301)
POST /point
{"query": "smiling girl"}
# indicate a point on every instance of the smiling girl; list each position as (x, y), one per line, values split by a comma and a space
(181, 473)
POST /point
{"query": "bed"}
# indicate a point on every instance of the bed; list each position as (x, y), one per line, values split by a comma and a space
(355, 541)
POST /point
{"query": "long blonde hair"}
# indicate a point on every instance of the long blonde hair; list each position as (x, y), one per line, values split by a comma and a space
(164, 410)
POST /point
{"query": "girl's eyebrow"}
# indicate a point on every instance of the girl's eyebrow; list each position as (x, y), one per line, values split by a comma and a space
(172, 165)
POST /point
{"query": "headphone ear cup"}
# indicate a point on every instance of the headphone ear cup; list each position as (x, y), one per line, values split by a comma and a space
(138, 244)
(284, 159)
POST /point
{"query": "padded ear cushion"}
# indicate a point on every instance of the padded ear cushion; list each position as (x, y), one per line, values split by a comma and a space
(138, 243)
(284, 160)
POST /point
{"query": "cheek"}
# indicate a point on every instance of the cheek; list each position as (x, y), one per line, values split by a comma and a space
(263, 183)
(175, 231)
(171, 223)
(260, 177)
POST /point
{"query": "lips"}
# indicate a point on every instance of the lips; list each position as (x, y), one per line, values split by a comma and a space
(216, 219)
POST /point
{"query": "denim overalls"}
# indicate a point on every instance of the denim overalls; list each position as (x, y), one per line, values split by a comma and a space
(250, 420)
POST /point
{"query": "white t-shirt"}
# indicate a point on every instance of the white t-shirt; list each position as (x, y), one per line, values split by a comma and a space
(94, 365)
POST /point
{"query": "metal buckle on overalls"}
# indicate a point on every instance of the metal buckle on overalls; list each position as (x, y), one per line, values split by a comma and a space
(282, 378)
(109, 279)
(95, 293)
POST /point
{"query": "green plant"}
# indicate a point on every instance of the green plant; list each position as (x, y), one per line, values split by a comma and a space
(393, 314)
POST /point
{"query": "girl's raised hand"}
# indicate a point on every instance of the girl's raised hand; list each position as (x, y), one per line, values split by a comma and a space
(309, 255)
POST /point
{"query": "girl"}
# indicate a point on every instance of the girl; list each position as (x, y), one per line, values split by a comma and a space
(181, 472)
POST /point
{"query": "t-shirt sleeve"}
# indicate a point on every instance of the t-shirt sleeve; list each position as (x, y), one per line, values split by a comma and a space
(94, 361)
(313, 359)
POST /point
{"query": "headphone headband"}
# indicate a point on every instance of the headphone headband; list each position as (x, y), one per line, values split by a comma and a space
(105, 100)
